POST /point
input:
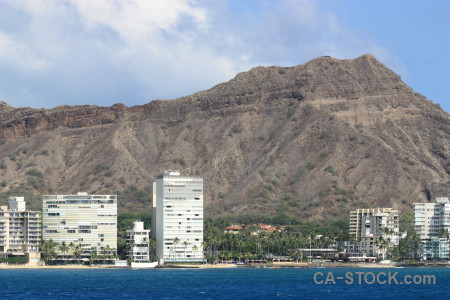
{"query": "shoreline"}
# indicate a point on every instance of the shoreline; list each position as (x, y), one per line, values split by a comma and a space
(59, 267)
(276, 265)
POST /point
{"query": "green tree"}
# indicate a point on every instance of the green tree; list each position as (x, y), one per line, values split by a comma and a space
(407, 221)
(48, 250)
(64, 248)
(93, 257)
(382, 245)
(411, 243)
(130, 252)
(195, 249)
(107, 253)
(77, 252)
(443, 233)
(185, 244)
(146, 243)
(71, 249)
(176, 241)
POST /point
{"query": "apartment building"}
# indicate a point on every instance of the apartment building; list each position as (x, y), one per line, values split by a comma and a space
(368, 224)
(178, 217)
(20, 229)
(138, 240)
(89, 220)
(431, 221)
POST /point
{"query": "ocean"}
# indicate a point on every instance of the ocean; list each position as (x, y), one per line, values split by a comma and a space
(234, 283)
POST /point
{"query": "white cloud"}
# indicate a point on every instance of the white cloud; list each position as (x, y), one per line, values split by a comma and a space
(102, 51)
(136, 21)
(14, 54)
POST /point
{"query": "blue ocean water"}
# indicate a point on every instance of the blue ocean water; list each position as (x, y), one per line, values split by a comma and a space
(236, 283)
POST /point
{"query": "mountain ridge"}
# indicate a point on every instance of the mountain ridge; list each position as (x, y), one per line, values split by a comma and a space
(313, 140)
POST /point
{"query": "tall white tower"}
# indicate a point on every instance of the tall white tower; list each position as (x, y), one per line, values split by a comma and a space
(179, 217)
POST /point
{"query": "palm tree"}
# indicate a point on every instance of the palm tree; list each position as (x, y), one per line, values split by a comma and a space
(145, 242)
(204, 246)
(107, 253)
(185, 244)
(195, 249)
(78, 251)
(102, 255)
(130, 249)
(412, 241)
(240, 242)
(382, 244)
(48, 250)
(93, 257)
(152, 245)
(64, 248)
(71, 249)
(175, 243)
(114, 253)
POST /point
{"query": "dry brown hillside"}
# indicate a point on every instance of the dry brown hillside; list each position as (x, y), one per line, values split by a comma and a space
(314, 140)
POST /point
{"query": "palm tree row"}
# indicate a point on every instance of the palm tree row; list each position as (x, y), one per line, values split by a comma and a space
(247, 244)
(263, 245)
(70, 252)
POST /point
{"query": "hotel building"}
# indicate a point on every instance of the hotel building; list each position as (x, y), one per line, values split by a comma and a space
(89, 220)
(178, 217)
(431, 220)
(368, 224)
(20, 229)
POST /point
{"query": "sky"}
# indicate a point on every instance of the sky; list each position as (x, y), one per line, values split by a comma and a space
(102, 52)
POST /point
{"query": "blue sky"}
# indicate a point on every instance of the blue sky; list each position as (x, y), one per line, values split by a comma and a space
(68, 52)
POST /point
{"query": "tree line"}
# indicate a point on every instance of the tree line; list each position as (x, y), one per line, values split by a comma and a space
(71, 253)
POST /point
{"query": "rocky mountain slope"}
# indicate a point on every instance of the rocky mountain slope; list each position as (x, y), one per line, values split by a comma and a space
(314, 140)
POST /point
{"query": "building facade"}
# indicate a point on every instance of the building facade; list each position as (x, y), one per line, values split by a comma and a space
(89, 220)
(20, 229)
(138, 241)
(435, 248)
(369, 224)
(432, 225)
(178, 206)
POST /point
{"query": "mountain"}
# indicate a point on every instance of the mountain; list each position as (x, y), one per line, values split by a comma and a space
(314, 141)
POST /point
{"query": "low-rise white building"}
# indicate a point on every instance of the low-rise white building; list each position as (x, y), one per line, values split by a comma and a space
(435, 248)
(138, 241)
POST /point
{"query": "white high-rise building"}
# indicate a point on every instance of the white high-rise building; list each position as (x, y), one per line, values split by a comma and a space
(178, 218)
(431, 220)
(368, 224)
(20, 229)
(89, 220)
